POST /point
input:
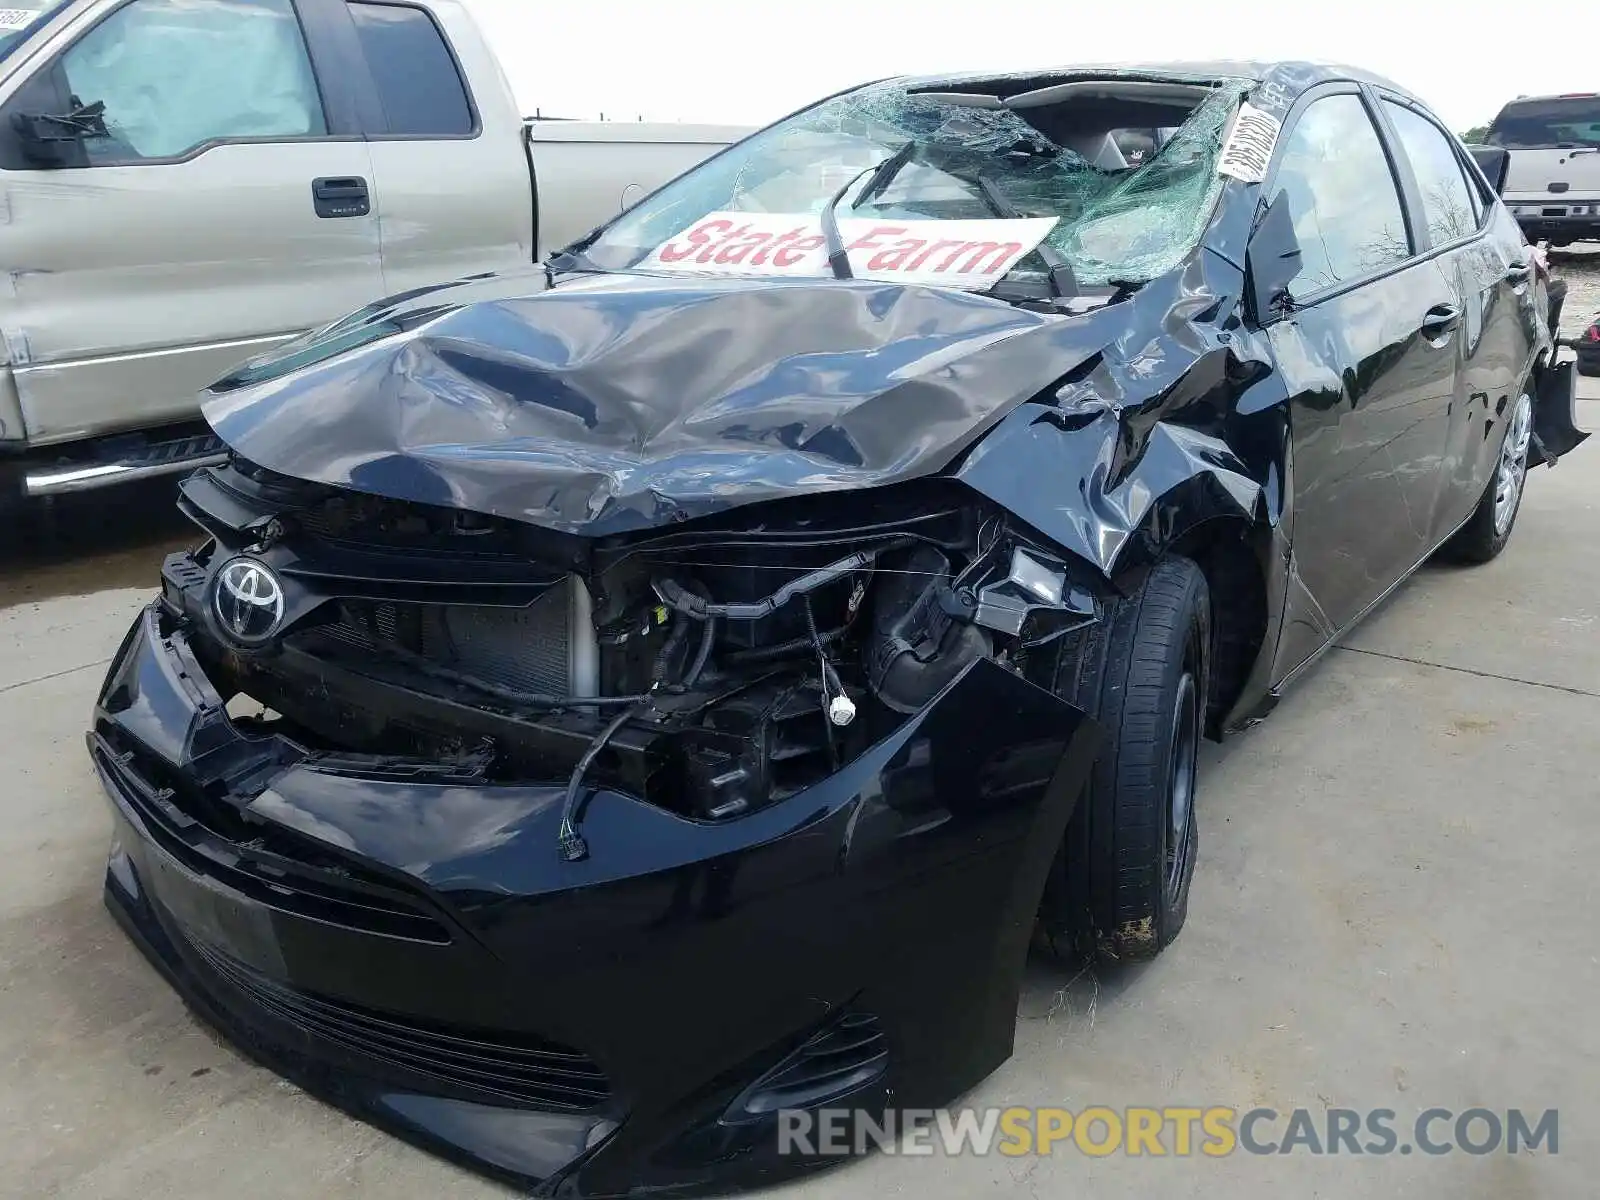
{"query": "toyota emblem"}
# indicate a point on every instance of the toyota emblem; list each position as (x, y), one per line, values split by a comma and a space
(249, 601)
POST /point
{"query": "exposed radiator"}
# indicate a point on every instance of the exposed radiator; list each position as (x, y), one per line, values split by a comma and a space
(548, 647)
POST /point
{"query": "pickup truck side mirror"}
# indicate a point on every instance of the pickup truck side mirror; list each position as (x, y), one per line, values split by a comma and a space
(57, 139)
(44, 124)
(1272, 262)
(1494, 162)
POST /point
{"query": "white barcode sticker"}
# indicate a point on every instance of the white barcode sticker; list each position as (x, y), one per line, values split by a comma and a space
(17, 18)
(1249, 146)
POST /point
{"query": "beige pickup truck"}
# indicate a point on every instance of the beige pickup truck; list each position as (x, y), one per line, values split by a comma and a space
(185, 183)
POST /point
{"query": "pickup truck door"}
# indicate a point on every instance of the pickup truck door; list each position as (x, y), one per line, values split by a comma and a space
(224, 207)
(448, 159)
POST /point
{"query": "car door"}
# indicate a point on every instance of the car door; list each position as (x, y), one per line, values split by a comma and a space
(1366, 350)
(220, 207)
(448, 157)
(1493, 274)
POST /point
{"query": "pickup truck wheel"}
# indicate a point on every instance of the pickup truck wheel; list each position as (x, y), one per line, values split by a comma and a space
(1120, 887)
(1489, 528)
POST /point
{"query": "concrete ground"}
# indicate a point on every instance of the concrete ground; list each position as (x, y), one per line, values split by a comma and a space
(1394, 908)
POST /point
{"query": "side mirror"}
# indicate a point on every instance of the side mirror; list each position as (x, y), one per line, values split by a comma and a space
(56, 139)
(1272, 262)
(1494, 162)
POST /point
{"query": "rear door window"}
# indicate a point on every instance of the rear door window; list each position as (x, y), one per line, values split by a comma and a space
(1446, 201)
(415, 73)
(1341, 192)
(175, 75)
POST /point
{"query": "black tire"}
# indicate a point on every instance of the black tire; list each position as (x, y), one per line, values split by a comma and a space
(1120, 887)
(1482, 539)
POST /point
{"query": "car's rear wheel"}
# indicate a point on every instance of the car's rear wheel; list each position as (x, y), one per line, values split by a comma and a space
(1120, 888)
(1489, 528)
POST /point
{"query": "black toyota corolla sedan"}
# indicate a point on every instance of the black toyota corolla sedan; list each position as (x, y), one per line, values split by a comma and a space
(615, 706)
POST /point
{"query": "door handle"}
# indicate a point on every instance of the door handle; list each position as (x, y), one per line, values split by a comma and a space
(341, 196)
(1518, 273)
(1440, 321)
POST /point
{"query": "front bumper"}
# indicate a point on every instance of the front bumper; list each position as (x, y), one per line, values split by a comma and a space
(1555, 413)
(1557, 220)
(416, 952)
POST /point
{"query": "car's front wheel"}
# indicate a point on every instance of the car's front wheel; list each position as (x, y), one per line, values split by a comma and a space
(1120, 889)
(1489, 528)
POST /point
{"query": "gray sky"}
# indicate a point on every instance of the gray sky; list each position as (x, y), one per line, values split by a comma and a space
(749, 61)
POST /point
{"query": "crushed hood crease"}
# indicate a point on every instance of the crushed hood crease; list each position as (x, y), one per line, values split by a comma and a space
(623, 403)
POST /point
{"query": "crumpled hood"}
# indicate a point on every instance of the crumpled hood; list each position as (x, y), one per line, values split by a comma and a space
(612, 403)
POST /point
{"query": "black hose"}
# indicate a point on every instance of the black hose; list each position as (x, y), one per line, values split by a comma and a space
(764, 654)
(708, 637)
(669, 648)
(675, 595)
(573, 847)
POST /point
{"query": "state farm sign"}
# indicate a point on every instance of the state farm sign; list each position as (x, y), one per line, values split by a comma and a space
(958, 254)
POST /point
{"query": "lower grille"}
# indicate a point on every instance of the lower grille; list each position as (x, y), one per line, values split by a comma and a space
(523, 1072)
(330, 892)
(546, 648)
(843, 1058)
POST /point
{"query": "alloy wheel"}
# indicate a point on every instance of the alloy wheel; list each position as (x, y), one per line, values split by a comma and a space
(1513, 468)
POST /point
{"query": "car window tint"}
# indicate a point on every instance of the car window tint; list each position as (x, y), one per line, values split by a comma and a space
(176, 74)
(1341, 193)
(1446, 200)
(417, 80)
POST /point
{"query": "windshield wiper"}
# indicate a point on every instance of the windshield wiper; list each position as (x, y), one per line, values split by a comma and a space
(570, 259)
(838, 259)
(1058, 271)
(883, 174)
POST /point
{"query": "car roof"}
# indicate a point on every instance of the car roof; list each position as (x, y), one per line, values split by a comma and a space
(1295, 76)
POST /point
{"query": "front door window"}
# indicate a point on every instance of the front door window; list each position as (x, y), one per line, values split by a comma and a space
(175, 75)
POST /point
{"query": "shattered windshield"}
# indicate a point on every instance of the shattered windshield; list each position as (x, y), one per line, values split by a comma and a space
(1119, 176)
